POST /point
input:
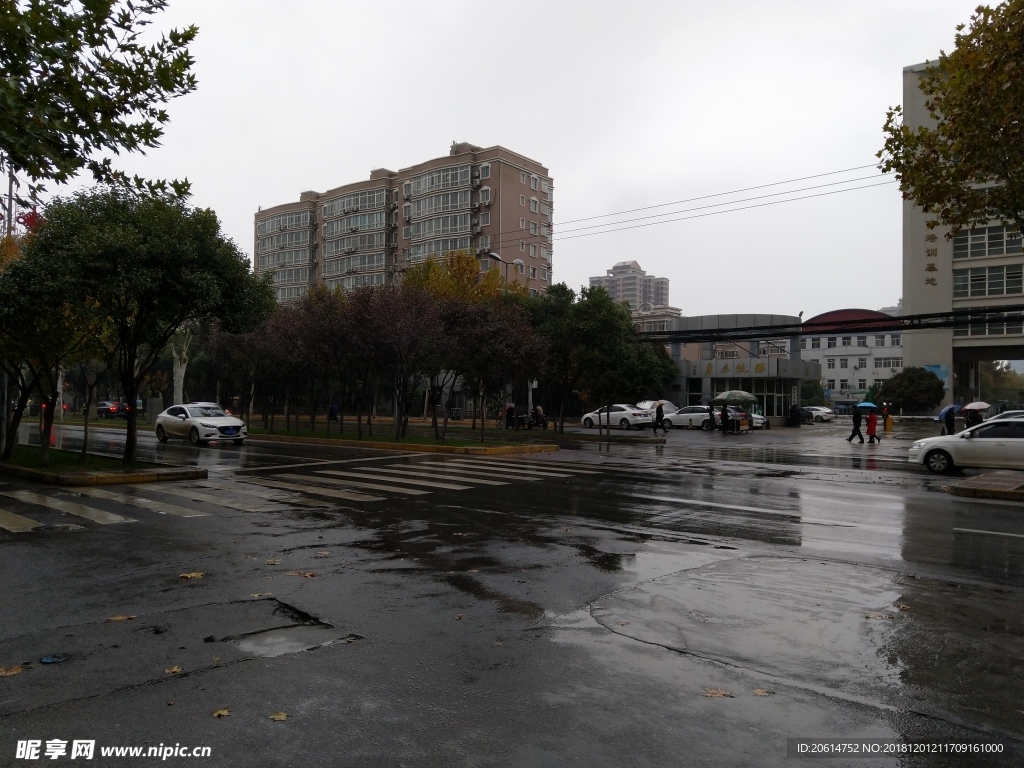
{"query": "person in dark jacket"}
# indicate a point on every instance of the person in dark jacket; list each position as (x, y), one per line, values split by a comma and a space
(659, 418)
(972, 417)
(725, 418)
(951, 421)
(856, 427)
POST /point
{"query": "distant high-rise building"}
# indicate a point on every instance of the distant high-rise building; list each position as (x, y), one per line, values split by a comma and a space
(492, 202)
(626, 281)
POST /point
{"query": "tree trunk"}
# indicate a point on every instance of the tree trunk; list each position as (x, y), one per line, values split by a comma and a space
(131, 440)
(12, 430)
(561, 417)
(447, 410)
(90, 390)
(49, 405)
(179, 360)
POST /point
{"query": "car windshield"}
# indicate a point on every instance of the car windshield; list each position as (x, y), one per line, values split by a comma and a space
(207, 411)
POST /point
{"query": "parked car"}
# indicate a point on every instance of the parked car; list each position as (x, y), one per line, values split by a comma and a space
(199, 423)
(108, 409)
(689, 416)
(623, 414)
(820, 413)
(1007, 415)
(652, 405)
(997, 443)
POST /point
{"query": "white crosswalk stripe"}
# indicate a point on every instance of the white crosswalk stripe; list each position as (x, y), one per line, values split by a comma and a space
(265, 494)
(457, 476)
(330, 493)
(208, 498)
(395, 479)
(354, 484)
(16, 523)
(483, 471)
(553, 466)
(68, 507)
(503, 467)
(160, 507)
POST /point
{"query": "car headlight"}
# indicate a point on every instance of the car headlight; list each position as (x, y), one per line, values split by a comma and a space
(207, 426)
(918, 444)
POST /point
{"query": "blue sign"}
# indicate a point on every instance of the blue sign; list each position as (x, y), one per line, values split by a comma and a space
(827, 393)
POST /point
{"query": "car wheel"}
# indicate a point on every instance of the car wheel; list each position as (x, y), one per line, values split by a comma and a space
(706, 425)
(819, 419)
(668, 424)
(624, 424)
(240, 441)
(588, 423)
(939, 462)
(160, 434)
(193, 436)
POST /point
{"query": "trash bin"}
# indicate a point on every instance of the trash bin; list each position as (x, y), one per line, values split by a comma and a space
(455, 414)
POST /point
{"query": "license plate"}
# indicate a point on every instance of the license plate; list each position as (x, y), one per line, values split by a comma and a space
(231, 431)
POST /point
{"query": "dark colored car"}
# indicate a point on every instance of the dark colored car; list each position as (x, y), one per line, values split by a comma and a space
(108, 409)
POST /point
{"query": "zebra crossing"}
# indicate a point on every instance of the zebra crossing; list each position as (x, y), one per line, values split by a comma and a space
(324, 485)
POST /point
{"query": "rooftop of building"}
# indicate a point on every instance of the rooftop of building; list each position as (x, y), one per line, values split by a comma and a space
(837, 318)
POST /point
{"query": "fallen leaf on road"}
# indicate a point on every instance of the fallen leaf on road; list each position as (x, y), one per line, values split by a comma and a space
(120, 618)
(903, 606)
(459, 617)
(10, 671)
(623, 623)
(192, 575)
(304, 574)
(324, 552)
(717, 693)
(279, 716)
(497, 642)
(216, 658)
(472, 570)
(458, 534)
(878, 615)
(173, 670)
(222, 713)
(273, 562)
(763, 692)
(261, 594)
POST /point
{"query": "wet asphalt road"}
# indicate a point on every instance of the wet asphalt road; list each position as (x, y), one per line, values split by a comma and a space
(559, 609)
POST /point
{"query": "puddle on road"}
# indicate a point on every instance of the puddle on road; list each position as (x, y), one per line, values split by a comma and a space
(278, 642)
(846, 630)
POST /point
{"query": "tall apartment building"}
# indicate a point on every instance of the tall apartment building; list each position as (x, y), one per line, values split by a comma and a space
(626, 281)
(494, 202)
(983, 266)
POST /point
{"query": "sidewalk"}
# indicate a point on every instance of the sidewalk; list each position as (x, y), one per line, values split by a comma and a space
(1004, 485)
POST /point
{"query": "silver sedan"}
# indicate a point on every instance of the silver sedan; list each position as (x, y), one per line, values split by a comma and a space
(200, 423)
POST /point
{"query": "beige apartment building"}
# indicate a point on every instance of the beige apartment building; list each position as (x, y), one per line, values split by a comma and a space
(983, 266)
(627, 281)
(494, 202)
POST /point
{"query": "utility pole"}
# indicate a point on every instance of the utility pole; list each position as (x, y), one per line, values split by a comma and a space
(10, 233)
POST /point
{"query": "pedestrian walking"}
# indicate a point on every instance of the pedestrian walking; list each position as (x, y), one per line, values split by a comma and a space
(659, 418)
(711, 417)
(725, 418)
(332, 413)
(856, 427)
(951, 420)
(973, 417)
(873, 428)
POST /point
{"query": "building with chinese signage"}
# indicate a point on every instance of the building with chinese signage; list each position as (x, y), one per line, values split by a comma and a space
(980, 267)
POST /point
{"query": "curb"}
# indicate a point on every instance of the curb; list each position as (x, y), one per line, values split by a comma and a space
(472, 450)
(103, 478)
(585, 438)
(984, 493)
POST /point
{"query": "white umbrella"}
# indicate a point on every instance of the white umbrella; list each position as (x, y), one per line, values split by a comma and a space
(977, 405)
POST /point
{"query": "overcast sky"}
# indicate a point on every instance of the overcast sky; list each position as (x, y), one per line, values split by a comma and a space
(628, 104)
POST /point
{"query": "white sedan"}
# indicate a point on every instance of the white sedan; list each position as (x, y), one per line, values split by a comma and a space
(998, 444)
(199, 423)
(689, 416)
(821, 413)
(623, 414)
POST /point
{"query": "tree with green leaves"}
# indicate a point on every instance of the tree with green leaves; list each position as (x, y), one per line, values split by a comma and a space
(914, 389)
(78, 81)
(151, 264)
(811, 393)
(967, 166)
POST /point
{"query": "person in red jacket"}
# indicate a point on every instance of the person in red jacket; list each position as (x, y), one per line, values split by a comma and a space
(873, 428)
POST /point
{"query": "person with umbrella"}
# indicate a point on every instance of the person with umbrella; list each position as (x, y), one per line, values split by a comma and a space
(948, 416)
(659, 417)
(856, 427)
(873, 427)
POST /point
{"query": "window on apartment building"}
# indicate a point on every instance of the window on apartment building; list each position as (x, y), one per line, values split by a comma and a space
(831, 342)
(522, 245)
(986, 241)
(407, 232)
(987, 281)
(533, 227)
(896, 340)
(485, 218)
(862, 341)
(533, 273)
(830, 384)
(862, 383)
(533, 251)
(847, 340)
(815, 343)
(407, 211)
(485, 241)
(545, 253)
(844, 362)
(485, 264)
(485, 194)
(534, 205)
(543, 274)
(862, 362)
(522, 199)
(880, 340)
(407, 189)
(522, 223)
(520, 268)
(844, 383)
(534, 182)
(803, 343)
(485, 171)
(831, 363)
(522, 177)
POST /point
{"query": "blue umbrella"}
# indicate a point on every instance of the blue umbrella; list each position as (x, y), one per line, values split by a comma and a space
(866, 405)
(944, 411)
